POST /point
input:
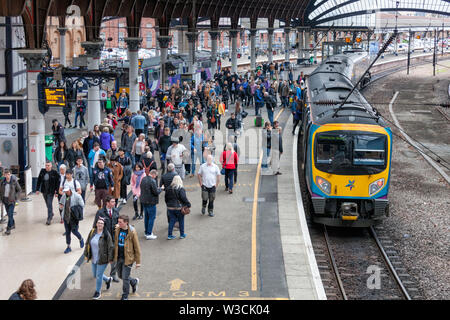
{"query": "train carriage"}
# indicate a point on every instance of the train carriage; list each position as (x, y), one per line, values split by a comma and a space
(347, 148)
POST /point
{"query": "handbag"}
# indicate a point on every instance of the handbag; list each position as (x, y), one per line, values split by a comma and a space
(185, 210)
(222, 172)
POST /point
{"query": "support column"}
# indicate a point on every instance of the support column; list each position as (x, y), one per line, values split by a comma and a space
(183, 46)
(36, 120)
(306, 47)
(253, 49)
(286, 45)
(93, 51)
(62, 46)
(300, 44)
(133, 45)
(233, 35)
(192, 40)
(214, 34)
(163, 42)
(315, 51)
(270, 46)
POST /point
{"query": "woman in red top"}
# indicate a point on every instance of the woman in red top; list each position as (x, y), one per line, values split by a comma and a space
(229, 161)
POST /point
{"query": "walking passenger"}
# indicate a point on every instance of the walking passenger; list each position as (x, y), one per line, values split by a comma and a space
(72, 206)
(81, 174)
(48, 184)
(175, 198)
(110, 216)
(99, 250)
(117, 173)
(127, 251)
(126, 178)
(136, 179)
(149, 199)
(208, 178)
(9, 194)
(175, 154)
(229, 161)
(102, 181)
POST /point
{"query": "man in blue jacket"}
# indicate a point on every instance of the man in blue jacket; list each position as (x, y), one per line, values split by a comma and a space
(139, 123)
(259, 100)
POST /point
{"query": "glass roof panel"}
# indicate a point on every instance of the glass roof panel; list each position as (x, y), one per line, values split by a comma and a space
(330, 8)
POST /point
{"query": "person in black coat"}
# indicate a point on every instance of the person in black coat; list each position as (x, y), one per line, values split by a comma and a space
(48, 184)
(176, 199)
(60, 154)
(149, 199)
(58, 132)
(67, 110)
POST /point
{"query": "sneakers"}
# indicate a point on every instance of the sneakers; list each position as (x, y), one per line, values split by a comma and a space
(183, 236)
(136, 216)
(230, 191)
(135, 287)
(141, 216)
(115, 278)
(108, 283)
(151, 237)
(171, 237)
(120, 200)
(7, 232)
(67, 250)
(211, 214)
(96, 295)
(124, 201)
(203, 210)
(124, 297)
(81, 243)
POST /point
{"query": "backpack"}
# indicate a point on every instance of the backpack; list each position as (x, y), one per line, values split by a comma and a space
(147, 169)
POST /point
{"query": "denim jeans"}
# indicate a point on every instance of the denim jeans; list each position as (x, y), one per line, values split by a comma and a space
(98, 270)
(71, 228)
(196, 155)
(174, 216)
(10, 211)
(229, 178)
(124, 272)
(270, 114)
(265, 160)
(149, 218)
(49, 203)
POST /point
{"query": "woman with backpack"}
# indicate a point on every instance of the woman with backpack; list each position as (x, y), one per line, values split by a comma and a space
(105, 139)
(148, 162)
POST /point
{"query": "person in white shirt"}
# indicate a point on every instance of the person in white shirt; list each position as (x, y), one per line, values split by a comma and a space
(175, 154)
(208, 178)
(68, 182)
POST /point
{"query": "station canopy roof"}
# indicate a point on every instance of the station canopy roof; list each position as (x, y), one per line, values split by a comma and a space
(362, 12)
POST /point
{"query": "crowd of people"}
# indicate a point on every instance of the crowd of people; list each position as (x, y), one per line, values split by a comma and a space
(180, 124)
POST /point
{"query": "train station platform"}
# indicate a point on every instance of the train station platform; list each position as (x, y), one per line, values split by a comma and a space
(255, 247)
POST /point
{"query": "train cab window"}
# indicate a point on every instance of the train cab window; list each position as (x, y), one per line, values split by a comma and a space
(352, 153)
(369, 150)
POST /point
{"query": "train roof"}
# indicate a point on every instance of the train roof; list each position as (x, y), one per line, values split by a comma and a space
(328, 87)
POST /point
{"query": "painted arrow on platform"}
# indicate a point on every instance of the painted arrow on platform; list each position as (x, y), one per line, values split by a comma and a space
(176, 284)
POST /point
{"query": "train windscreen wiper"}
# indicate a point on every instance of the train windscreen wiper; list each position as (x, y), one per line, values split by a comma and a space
(382, 50)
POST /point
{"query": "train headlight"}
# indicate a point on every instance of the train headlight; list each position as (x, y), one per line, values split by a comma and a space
(323, 184)
(376, 186)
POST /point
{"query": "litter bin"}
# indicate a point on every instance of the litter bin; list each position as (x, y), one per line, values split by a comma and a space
(49, 147)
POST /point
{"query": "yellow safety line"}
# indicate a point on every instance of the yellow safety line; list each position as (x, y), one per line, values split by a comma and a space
(254, 215)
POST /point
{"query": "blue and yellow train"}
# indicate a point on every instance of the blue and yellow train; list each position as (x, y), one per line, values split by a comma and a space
(347, 148)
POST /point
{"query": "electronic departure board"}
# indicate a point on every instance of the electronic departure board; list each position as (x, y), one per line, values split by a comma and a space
(55, 97)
